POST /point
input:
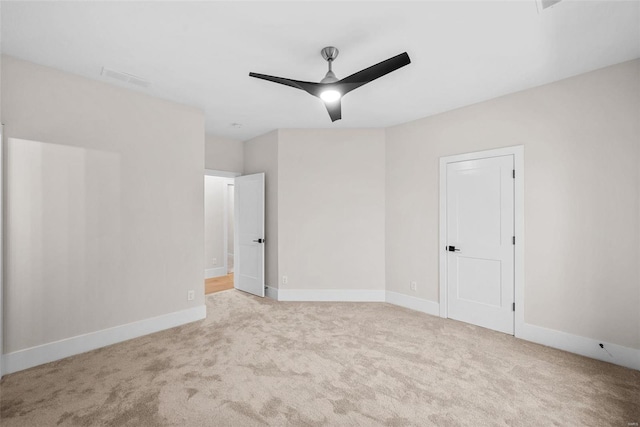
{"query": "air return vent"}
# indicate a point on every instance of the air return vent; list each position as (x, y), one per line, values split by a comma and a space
(545, 4)
(125, 77)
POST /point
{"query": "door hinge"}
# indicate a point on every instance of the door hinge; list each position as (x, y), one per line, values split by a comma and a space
(513, 240)
(513, 307)
(514, 174)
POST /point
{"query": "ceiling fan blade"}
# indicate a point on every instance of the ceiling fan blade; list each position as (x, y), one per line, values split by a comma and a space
(334, 109)
(367, 75)
(308, 87)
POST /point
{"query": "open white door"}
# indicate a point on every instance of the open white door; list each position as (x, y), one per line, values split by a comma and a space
(480, 242)
(1, 240)
(249, 236)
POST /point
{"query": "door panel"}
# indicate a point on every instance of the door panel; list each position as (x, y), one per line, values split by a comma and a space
(478, 209)
(480, 224)
(479, 280)
(249, 243)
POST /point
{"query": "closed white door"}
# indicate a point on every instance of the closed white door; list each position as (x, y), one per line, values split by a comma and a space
(480, 242)
(249, 236)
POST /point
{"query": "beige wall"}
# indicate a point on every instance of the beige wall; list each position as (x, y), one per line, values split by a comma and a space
(261, 155)
(223, 154)
(582, 139)
(214, 189)
(105, 208)
(331, 198)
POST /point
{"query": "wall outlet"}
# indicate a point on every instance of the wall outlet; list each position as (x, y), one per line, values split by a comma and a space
(285, 280)
(191, 295)
(414, 286)
(215, 261)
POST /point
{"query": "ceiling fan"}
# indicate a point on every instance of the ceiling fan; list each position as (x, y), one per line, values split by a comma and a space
(330, 89)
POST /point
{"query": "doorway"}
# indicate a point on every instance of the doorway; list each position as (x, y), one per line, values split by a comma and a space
(219, 231)
(230, 226)
(481, 238)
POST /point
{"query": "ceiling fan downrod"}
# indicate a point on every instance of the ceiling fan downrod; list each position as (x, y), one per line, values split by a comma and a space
(329, 53)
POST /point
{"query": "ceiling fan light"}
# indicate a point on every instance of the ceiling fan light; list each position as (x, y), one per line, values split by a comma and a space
(330, 95)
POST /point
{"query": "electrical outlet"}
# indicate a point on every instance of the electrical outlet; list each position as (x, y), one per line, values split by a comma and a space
(285, 280)
(215, 261)
(607, 351)
(414, 286)
(191, 295)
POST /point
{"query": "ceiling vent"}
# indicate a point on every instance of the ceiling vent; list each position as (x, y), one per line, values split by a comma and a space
(125, 77)
(545, 4)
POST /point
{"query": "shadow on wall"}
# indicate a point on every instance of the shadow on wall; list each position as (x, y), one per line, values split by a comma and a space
(63, 237)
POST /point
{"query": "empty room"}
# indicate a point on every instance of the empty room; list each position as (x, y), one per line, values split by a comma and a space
(320, 213)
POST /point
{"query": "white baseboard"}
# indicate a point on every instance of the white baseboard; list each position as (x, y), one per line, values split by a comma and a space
(589, 347)
(336, 295)
(34, 356)
(272, 293)
(215, 272)
(413, 303)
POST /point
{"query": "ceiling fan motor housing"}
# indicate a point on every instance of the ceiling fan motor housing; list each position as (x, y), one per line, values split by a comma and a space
(330, 77)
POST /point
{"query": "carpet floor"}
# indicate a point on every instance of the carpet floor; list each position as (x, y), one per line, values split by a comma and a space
(259, 362)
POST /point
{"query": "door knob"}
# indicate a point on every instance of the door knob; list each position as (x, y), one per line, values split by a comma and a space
(259, 241)
(452, 249)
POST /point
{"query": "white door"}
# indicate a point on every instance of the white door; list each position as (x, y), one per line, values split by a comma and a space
(480, 242)
(249, 236)
(1, 239)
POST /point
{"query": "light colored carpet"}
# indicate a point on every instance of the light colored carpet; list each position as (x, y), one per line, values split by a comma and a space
(259, 362)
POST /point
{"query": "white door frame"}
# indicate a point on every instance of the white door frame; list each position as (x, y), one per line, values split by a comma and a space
(518, 160)
(225, 213)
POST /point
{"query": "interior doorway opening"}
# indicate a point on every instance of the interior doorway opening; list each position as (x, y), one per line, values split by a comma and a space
(219, 231)
(230, 227)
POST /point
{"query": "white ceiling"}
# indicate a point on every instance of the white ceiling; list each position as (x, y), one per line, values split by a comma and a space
(200, 53)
